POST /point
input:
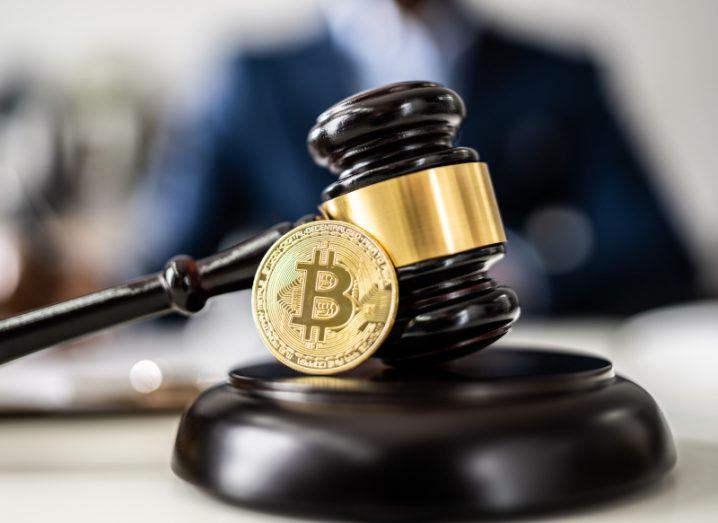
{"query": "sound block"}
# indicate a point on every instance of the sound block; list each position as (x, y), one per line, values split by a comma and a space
(499, 432)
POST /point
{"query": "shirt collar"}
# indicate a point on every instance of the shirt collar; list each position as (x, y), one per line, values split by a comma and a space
(387, 45)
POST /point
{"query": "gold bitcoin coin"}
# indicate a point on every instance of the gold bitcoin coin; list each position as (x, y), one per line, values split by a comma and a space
(324, 297)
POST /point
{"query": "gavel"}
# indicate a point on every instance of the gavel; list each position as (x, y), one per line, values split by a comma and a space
(400, 178)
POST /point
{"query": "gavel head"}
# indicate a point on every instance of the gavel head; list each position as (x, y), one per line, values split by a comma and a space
(432, 207)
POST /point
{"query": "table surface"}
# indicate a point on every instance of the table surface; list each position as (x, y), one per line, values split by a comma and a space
(115, 468)
(90, 470)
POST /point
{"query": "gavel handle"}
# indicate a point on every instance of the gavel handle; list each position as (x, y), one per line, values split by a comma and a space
(185, 285)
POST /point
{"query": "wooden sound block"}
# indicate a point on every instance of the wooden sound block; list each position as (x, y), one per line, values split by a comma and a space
(499, 432)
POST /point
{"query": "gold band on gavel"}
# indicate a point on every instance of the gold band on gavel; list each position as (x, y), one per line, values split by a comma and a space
(426, 214)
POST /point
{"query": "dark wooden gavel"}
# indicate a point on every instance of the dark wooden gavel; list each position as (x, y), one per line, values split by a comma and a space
(398, 138)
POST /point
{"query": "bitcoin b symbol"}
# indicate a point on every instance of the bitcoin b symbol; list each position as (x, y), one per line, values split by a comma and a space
(324, 302)
(325, 275)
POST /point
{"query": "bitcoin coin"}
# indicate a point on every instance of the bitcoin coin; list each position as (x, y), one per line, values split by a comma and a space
(324, 297)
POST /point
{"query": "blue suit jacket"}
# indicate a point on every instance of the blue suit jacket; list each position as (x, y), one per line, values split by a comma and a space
(538, 119)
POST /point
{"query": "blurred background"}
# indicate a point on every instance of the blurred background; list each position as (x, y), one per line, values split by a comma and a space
(130, 132)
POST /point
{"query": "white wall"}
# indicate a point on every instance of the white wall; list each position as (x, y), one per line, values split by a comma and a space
(661, 55)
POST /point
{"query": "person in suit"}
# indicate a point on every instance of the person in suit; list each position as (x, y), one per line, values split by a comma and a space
(587, 232)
